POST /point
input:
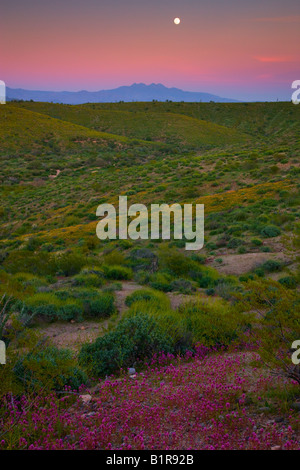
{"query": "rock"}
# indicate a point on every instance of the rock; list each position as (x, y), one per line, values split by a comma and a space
(85, 398)
(275, 448)
(131, 371)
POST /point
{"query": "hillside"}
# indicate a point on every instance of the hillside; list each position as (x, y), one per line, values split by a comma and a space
(201, 329)
(164, 126)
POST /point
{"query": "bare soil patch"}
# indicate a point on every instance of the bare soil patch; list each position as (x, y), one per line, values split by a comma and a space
(239, 264)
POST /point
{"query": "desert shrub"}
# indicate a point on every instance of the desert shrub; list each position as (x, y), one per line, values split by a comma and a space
(93, 303)
(256, 242)
(225, 287)
(235, 242)
(28, 279)
(176, 263)
(48, 306)
(205, 276)
(290, 282)
(50, 367)
(210, 291)
(65, 305)
(88, 280)
(117, 273)
(211, 246)
(141, 258)
(183, 285)
(205, 280)
(210, 325)
(17, 338)
(142, 277)
(27, 261)
(147, 295)
(271, 265)
(270, 231)
(161, 281)
(198, 258)
(135, 338)
(113, 287)
(276, 325)
(100, 307)
(69, 263)
(114, 258)
(265, 249)
(33, 244)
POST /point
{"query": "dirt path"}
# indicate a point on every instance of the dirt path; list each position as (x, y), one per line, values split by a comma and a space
(128, 287)
(73, 335)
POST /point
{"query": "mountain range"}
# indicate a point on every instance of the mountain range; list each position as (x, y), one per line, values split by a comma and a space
(135, 92)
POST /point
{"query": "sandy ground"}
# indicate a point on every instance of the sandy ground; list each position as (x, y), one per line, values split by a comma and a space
(239, 264)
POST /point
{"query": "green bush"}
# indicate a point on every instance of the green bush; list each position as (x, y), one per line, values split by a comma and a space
(135, 338)
(210, 325)
(26, 261)
(28, 279)
(88, 280)
(210, 291)
(69, 263)
(148, 295)
(50, 367)
(69, 305)
(235, 243)
(183, 285)
(101, 307)
(48, 306)
(114, 258)
(205, 276)
(256, 242)
(113, 287)
(270, 231)
(161, 281)
(117, 273)
(175, 262)
(289, 281)
(271, 265)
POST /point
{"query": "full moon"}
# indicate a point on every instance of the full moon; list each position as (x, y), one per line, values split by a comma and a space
(177, 20)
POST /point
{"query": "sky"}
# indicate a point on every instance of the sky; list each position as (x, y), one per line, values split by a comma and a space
(247, 50)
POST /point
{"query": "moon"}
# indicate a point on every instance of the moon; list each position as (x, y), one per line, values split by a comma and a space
(177, 20)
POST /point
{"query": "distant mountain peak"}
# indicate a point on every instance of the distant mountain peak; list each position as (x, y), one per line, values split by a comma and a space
(134, 92)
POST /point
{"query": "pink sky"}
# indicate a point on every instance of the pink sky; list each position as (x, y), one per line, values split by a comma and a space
(238, 50)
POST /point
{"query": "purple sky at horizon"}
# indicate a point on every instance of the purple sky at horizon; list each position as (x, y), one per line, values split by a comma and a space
(247, 50)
